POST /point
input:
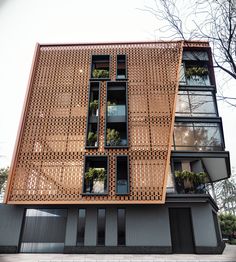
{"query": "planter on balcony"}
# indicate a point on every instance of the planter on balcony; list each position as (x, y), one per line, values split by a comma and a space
(190, 182)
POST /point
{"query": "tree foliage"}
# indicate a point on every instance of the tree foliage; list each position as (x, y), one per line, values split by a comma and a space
(3, 177)
(211, 20)
(228, 225)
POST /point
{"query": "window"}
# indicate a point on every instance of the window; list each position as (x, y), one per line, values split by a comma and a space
(101, 225)
(196, 103)
(122, 175)
(194, 70)
(198, 136)
(197, 74)
(121, 67)
(93, 115)
(121, 226)
(116, 115)
(100, 67)
(95, 177)
(81, 227)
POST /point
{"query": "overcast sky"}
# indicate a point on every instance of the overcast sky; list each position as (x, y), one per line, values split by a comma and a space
(25, 22)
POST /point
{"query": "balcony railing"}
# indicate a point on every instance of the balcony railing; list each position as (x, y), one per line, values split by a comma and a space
(116, 110)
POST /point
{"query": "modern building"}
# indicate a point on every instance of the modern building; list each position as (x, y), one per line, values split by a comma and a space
(116, 144)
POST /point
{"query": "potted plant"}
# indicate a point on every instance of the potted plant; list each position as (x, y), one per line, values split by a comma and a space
(100, 73)
(93, 107)
(113, 137)
(94, 179)
(92, 139)
(190, 182)
(196, 74)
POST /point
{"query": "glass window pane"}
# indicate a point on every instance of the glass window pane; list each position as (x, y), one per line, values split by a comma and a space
(101, 227)
(81, 227)
(122, 175)
(121, 226)
(197, 136)
(195, 103)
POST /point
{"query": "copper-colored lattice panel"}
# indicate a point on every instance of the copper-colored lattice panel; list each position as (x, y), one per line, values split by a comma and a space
(48, 164)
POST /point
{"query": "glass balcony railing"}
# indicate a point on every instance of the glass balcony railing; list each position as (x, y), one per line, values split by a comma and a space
(117, 110)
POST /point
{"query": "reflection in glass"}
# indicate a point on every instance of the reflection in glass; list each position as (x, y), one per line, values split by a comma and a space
(117, 110)
(197, 136)
(195, 103)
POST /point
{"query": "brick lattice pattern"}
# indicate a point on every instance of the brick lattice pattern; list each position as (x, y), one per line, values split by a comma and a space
(49, 161)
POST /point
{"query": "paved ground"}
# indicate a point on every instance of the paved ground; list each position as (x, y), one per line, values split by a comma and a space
(229, 255)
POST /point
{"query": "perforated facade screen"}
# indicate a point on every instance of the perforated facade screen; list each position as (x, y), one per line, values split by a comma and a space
(48, 165)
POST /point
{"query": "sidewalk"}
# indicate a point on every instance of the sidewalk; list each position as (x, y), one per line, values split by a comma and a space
(229, 255)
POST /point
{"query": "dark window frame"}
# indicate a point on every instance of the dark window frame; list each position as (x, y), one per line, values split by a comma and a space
(118, 226)
(128, 182)
(77, 243)
(126, 72)
(88, 116)
(201, 93)
(209, 120)
(126, 116)
(92, 64)
(101, 245)
(84, 170)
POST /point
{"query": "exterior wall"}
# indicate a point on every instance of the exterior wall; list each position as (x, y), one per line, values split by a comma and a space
(11, 220)
(147, 228)
(203, 225)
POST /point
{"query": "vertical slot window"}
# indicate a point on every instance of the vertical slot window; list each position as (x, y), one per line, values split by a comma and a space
(101, 224)
(121, 226)
(100, 67)
(81, 227)
(116, 115)
(122, 175)
(121, 70)
(93, 115)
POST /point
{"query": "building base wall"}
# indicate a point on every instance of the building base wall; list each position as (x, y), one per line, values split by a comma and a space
(148, 228)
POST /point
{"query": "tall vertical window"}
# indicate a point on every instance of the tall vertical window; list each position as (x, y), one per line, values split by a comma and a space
(122, 175)
(116, 115)
(93, 115)
(81, 227)
(121, 70)
(101, 225)
(121, 226)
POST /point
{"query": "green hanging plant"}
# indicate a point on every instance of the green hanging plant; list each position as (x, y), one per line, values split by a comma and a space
(109, 103)
(92, 138)
(100, 73)
(113, 137)
(196, 71)
(95, 173)
(93, 106)
(191, 181)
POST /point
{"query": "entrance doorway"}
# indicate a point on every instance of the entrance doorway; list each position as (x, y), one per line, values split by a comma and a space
(181, 230)
(44, 231)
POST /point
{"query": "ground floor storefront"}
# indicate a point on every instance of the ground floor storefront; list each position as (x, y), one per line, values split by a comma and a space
(184, 224)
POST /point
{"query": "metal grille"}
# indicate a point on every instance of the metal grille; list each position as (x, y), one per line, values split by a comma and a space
(48, 165)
